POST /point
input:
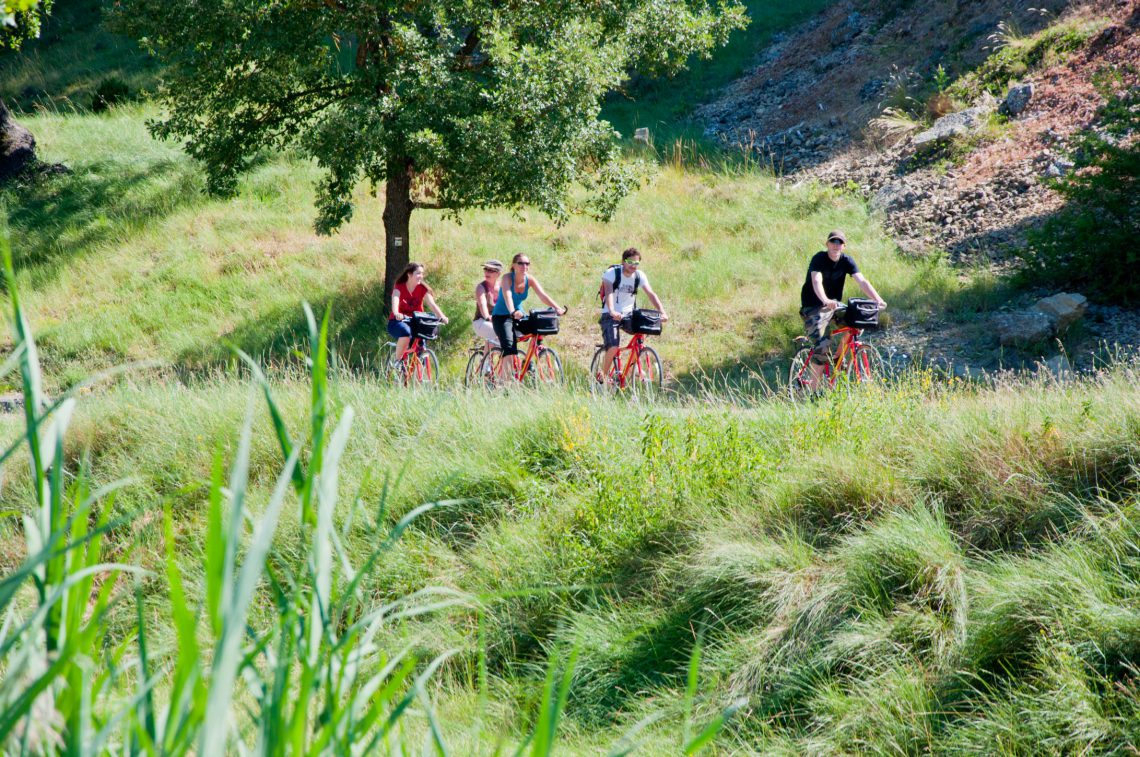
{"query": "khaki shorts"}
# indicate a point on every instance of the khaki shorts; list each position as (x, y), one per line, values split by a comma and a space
(817, 327)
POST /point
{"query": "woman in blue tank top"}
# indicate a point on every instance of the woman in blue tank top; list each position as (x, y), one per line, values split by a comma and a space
(515, 287)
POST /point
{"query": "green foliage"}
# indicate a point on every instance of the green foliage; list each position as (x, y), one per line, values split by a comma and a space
(20, 20)
(423, 91)
(1017, 55)
(1091, 242)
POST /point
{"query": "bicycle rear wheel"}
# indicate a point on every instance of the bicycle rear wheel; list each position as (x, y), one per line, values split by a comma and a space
(646, 376)
(547, 367)
(867, 366)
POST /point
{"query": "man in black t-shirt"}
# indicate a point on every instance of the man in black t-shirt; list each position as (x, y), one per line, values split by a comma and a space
(822, 292)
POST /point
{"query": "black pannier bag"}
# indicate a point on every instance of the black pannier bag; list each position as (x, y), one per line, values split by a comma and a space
(542, 322)
(425, 325)
(862, 313)
(646, 322)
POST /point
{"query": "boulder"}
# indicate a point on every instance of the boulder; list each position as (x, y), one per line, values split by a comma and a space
(847, 29)
(1024, 328)
(17, 146)
(1063, 309)
(1057, 367)
(894, 196)
(1017, 100)
(950, 126)
(1058, 168)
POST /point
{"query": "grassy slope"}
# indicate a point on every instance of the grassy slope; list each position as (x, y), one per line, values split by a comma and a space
(933, 568)
(130, 235)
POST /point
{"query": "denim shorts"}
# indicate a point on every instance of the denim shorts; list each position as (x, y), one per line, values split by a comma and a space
(399, 329)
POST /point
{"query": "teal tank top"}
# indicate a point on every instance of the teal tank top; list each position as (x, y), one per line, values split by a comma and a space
(501, 305)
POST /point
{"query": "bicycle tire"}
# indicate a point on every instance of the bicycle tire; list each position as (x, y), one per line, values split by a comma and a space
(389, 370)
(546, 369)
(489, 378)
(646, 377)
(474, 364)
(798, 389)
(597, 379)
(867, 365)
(425, 370)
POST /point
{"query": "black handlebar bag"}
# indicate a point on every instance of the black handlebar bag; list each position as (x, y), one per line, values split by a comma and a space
(646, 322)
(862, 313)
(426, 325)
(541, 322)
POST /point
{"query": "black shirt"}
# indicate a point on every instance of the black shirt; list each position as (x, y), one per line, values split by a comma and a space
(834, 276)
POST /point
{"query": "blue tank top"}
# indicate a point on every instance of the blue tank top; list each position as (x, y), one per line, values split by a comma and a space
(501, 305)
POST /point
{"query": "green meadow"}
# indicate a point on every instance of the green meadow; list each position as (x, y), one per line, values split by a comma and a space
(336, 565)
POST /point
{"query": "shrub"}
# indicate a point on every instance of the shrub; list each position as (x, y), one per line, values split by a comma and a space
(1091, 243)
(109, 92)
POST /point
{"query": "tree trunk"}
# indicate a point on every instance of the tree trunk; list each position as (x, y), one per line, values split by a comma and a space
(397, 214)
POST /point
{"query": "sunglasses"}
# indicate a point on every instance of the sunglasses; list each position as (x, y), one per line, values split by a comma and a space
(835, 241)
(523, 262)
(634, 263)
(490, 270)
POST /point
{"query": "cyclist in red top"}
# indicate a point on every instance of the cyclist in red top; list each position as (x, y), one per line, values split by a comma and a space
(409, 297)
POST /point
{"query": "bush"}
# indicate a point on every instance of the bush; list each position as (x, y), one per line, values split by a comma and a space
(1090, 244)
(109, 92)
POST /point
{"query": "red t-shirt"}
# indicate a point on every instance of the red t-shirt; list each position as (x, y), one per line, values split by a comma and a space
(410, 302)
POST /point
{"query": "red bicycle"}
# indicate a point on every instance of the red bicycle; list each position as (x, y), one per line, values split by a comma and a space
(636, 367)
(854, 361)
(418, 366)
(540, 365)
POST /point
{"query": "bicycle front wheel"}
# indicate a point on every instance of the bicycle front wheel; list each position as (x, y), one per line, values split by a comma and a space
(802, 382)
(867, 365)
(646, 377)
(547, 367)
(423, 369)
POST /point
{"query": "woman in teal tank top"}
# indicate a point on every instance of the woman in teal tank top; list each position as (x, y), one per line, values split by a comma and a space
(515, 287)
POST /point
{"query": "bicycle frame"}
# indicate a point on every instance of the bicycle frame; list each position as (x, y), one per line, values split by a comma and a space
(532, 350)
(636, 342)
(411, 358)
(848, 344)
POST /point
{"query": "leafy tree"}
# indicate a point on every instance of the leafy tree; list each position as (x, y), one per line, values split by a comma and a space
(21, 20)
(449, 104)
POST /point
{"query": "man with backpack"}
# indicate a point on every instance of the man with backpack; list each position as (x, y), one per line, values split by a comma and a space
(620, 284)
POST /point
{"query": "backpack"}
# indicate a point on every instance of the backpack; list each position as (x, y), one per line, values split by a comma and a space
(617, 282)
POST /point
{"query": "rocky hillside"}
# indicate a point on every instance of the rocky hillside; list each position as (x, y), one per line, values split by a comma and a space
(950, 117)
(947, 115)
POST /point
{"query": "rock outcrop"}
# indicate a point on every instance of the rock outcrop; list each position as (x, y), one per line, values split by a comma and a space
(17, 146)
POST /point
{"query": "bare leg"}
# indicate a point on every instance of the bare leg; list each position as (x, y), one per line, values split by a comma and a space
(608, 364)
(401, 347)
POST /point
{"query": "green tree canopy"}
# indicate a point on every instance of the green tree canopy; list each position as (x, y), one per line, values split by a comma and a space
(20, 20)
(450, 104)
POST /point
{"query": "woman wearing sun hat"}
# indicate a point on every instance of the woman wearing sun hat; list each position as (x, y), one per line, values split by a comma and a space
(486, 296)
